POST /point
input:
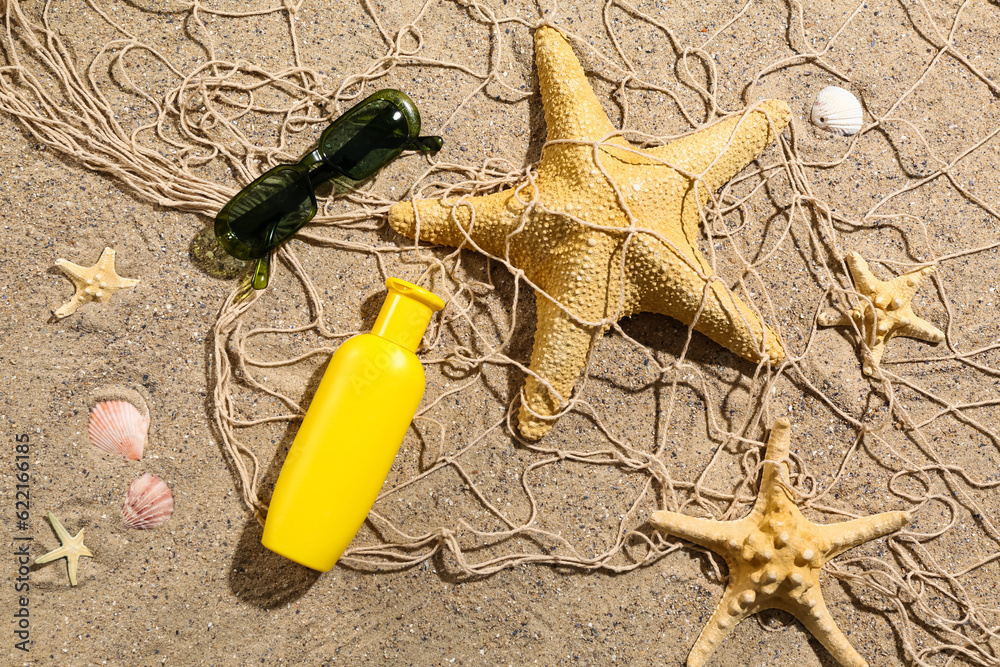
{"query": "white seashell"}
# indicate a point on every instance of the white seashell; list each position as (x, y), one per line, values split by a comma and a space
(118, 427)
(837, 111)
(148, 503)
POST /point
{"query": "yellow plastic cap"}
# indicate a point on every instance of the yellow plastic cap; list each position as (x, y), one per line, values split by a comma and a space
(406, 313)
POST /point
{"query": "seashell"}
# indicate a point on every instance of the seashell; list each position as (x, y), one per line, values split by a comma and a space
(148, 503)
(837, 111)
(118, 427)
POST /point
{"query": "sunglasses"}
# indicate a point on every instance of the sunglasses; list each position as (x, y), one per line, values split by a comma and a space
(270, 210)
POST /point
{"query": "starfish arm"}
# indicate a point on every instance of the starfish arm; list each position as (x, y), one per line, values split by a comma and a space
(811, 610)
(72, 562)
(125, 283)
(70, 306)
(864, 280)
(920, 329)
(61, 532)
(103, 295)
(572, 110)
(726, 148)
(779, 442)
(774, 492)
(727, 614)
(74, 272)
(848, 534)
(749, 136)
(905, 286)
(55, 554)
(442, 222)
(877, 350)
(719, 536)
(673, 288)
(727, 320)
(107, 258)
(559, 355)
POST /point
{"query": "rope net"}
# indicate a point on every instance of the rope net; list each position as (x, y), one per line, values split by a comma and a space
(185, 102)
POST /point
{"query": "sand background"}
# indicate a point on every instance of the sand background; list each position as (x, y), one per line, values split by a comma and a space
(201, 589)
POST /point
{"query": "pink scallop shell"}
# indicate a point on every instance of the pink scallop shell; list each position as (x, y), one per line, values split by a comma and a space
(118, 427)
(148, 503)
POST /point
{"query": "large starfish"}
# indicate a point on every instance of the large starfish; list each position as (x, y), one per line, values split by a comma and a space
(72, 549)
(93, 283)
(571, 241)
(775, 555)
(893, 314)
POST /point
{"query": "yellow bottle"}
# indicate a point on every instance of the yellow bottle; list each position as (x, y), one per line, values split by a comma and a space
(351, 433)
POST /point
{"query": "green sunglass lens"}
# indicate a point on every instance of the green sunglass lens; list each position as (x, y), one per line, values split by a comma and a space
(266, 213)
(366, 138)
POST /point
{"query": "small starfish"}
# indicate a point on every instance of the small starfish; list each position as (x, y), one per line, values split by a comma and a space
(775, 555)
(72, 549)
(595, 210)
(893, 314)
(93, 283)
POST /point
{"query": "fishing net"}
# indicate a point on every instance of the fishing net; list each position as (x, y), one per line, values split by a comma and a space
(185, 102)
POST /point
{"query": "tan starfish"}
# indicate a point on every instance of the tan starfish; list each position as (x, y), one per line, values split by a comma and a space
(775, 555)
(571, 242)
(93, 283)
(893, 314)
(72, 549)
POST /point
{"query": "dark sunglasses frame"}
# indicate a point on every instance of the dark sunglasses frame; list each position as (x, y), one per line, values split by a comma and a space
(357, 144)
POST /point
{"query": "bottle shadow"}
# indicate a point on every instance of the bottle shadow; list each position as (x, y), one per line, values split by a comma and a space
(259, 576)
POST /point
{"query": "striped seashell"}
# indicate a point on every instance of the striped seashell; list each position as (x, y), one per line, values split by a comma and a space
(837, 111)
(148, 503)
(118, 427)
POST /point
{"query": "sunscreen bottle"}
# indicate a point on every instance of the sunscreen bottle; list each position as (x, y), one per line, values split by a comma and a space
(351, 433)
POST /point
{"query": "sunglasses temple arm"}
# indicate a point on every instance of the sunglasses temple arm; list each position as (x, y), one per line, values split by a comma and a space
(261, 272)
(262, 267)
(430, 144)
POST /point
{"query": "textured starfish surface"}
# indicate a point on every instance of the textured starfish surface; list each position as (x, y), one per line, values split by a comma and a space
(775, 555)
(892, 315)
(72, 549)
(93, 283)
(637, 206)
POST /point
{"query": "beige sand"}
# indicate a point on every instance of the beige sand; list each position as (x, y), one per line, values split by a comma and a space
(201, 589)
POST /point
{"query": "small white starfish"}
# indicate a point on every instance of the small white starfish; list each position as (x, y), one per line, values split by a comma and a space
(72, 549)
(93, 283)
